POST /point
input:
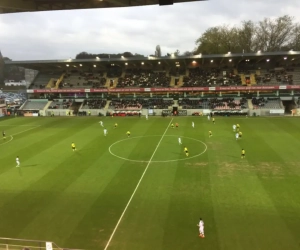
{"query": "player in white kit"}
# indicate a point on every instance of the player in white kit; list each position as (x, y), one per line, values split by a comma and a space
(234, 128)
(193, 124)
(146, 117)
(237, 136)
(18, 161)
(101, 123)
(201, 228)
(208, 117)
(179, 140)
(105, 132)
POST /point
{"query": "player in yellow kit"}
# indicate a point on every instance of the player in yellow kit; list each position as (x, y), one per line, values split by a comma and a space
(209, 133)
(73, 146)
(186, 151)
(128, 133)
(116, 125)
(243, 154)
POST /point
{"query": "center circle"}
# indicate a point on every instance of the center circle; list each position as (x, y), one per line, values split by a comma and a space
(133, 160)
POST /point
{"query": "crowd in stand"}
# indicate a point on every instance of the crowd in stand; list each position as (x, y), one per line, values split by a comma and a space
(227, 103)
(177, 71)
(94, 104)
(280, 76)
(139, 103)
(213, 103)
(193, 103)
(205, 78)
(192, 77)
(270, 102)
(58, 104)
(83, 79)
(259, 102)
(144, 79)
(156, 103)
(125, 104)
(114, 72)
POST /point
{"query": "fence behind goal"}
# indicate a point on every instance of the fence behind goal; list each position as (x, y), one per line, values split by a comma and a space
(23, 244)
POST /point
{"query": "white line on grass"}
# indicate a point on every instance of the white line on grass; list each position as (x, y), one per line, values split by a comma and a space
(26, 130)
(18, 134)
(137, 186)
(183, 159)
(2, 125)
(11, 138)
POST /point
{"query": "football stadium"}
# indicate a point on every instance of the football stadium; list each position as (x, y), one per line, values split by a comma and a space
(120, 151)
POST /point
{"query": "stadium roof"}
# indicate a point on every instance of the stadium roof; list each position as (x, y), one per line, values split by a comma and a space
(102, 63)
(14, 6)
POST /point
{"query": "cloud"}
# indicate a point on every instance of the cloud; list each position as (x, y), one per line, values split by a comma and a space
(63, 34)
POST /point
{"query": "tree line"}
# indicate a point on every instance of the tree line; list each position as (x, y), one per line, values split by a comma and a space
(268, 35)
(86, 55)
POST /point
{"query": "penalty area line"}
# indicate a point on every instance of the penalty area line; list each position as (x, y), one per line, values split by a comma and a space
(137, 186)
(26, 130)
(12, 136)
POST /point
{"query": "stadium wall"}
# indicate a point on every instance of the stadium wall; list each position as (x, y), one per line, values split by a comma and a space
(58, 112)
(94, 111)
(266, 112)
(158, 112)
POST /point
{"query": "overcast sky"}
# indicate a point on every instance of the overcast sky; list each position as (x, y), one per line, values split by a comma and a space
(63, 34)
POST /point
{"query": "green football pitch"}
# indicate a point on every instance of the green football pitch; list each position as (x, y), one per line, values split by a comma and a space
(143, 192)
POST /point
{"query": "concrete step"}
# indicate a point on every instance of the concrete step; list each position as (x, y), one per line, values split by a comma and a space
(107, 105)
(250, 105)
(47, 105)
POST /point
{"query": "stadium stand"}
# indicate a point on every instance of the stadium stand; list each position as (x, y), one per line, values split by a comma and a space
(177, 72)
(210, 77)
(228, 103)
(83, 79)
(143, 78)
(34, 105)
(42, 79)
(214, 103)
(13, 98)
(278, 76)
(266, 103)
(60, 104)
(193, 103)
(156, 103)
(188, 77)
(125, 104)
(114, 72)
(296, 76)
(139, 103)
(94, 104)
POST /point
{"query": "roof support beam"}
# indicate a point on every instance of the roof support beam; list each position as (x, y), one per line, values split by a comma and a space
(18, 5)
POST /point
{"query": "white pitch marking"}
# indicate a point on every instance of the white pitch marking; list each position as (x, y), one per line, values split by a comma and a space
(11, 138)
(184, 159)
(19, 125)
(26, 130)
(18, 134)
(138, 184)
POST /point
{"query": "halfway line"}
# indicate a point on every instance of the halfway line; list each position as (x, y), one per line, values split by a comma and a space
(138, 184)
